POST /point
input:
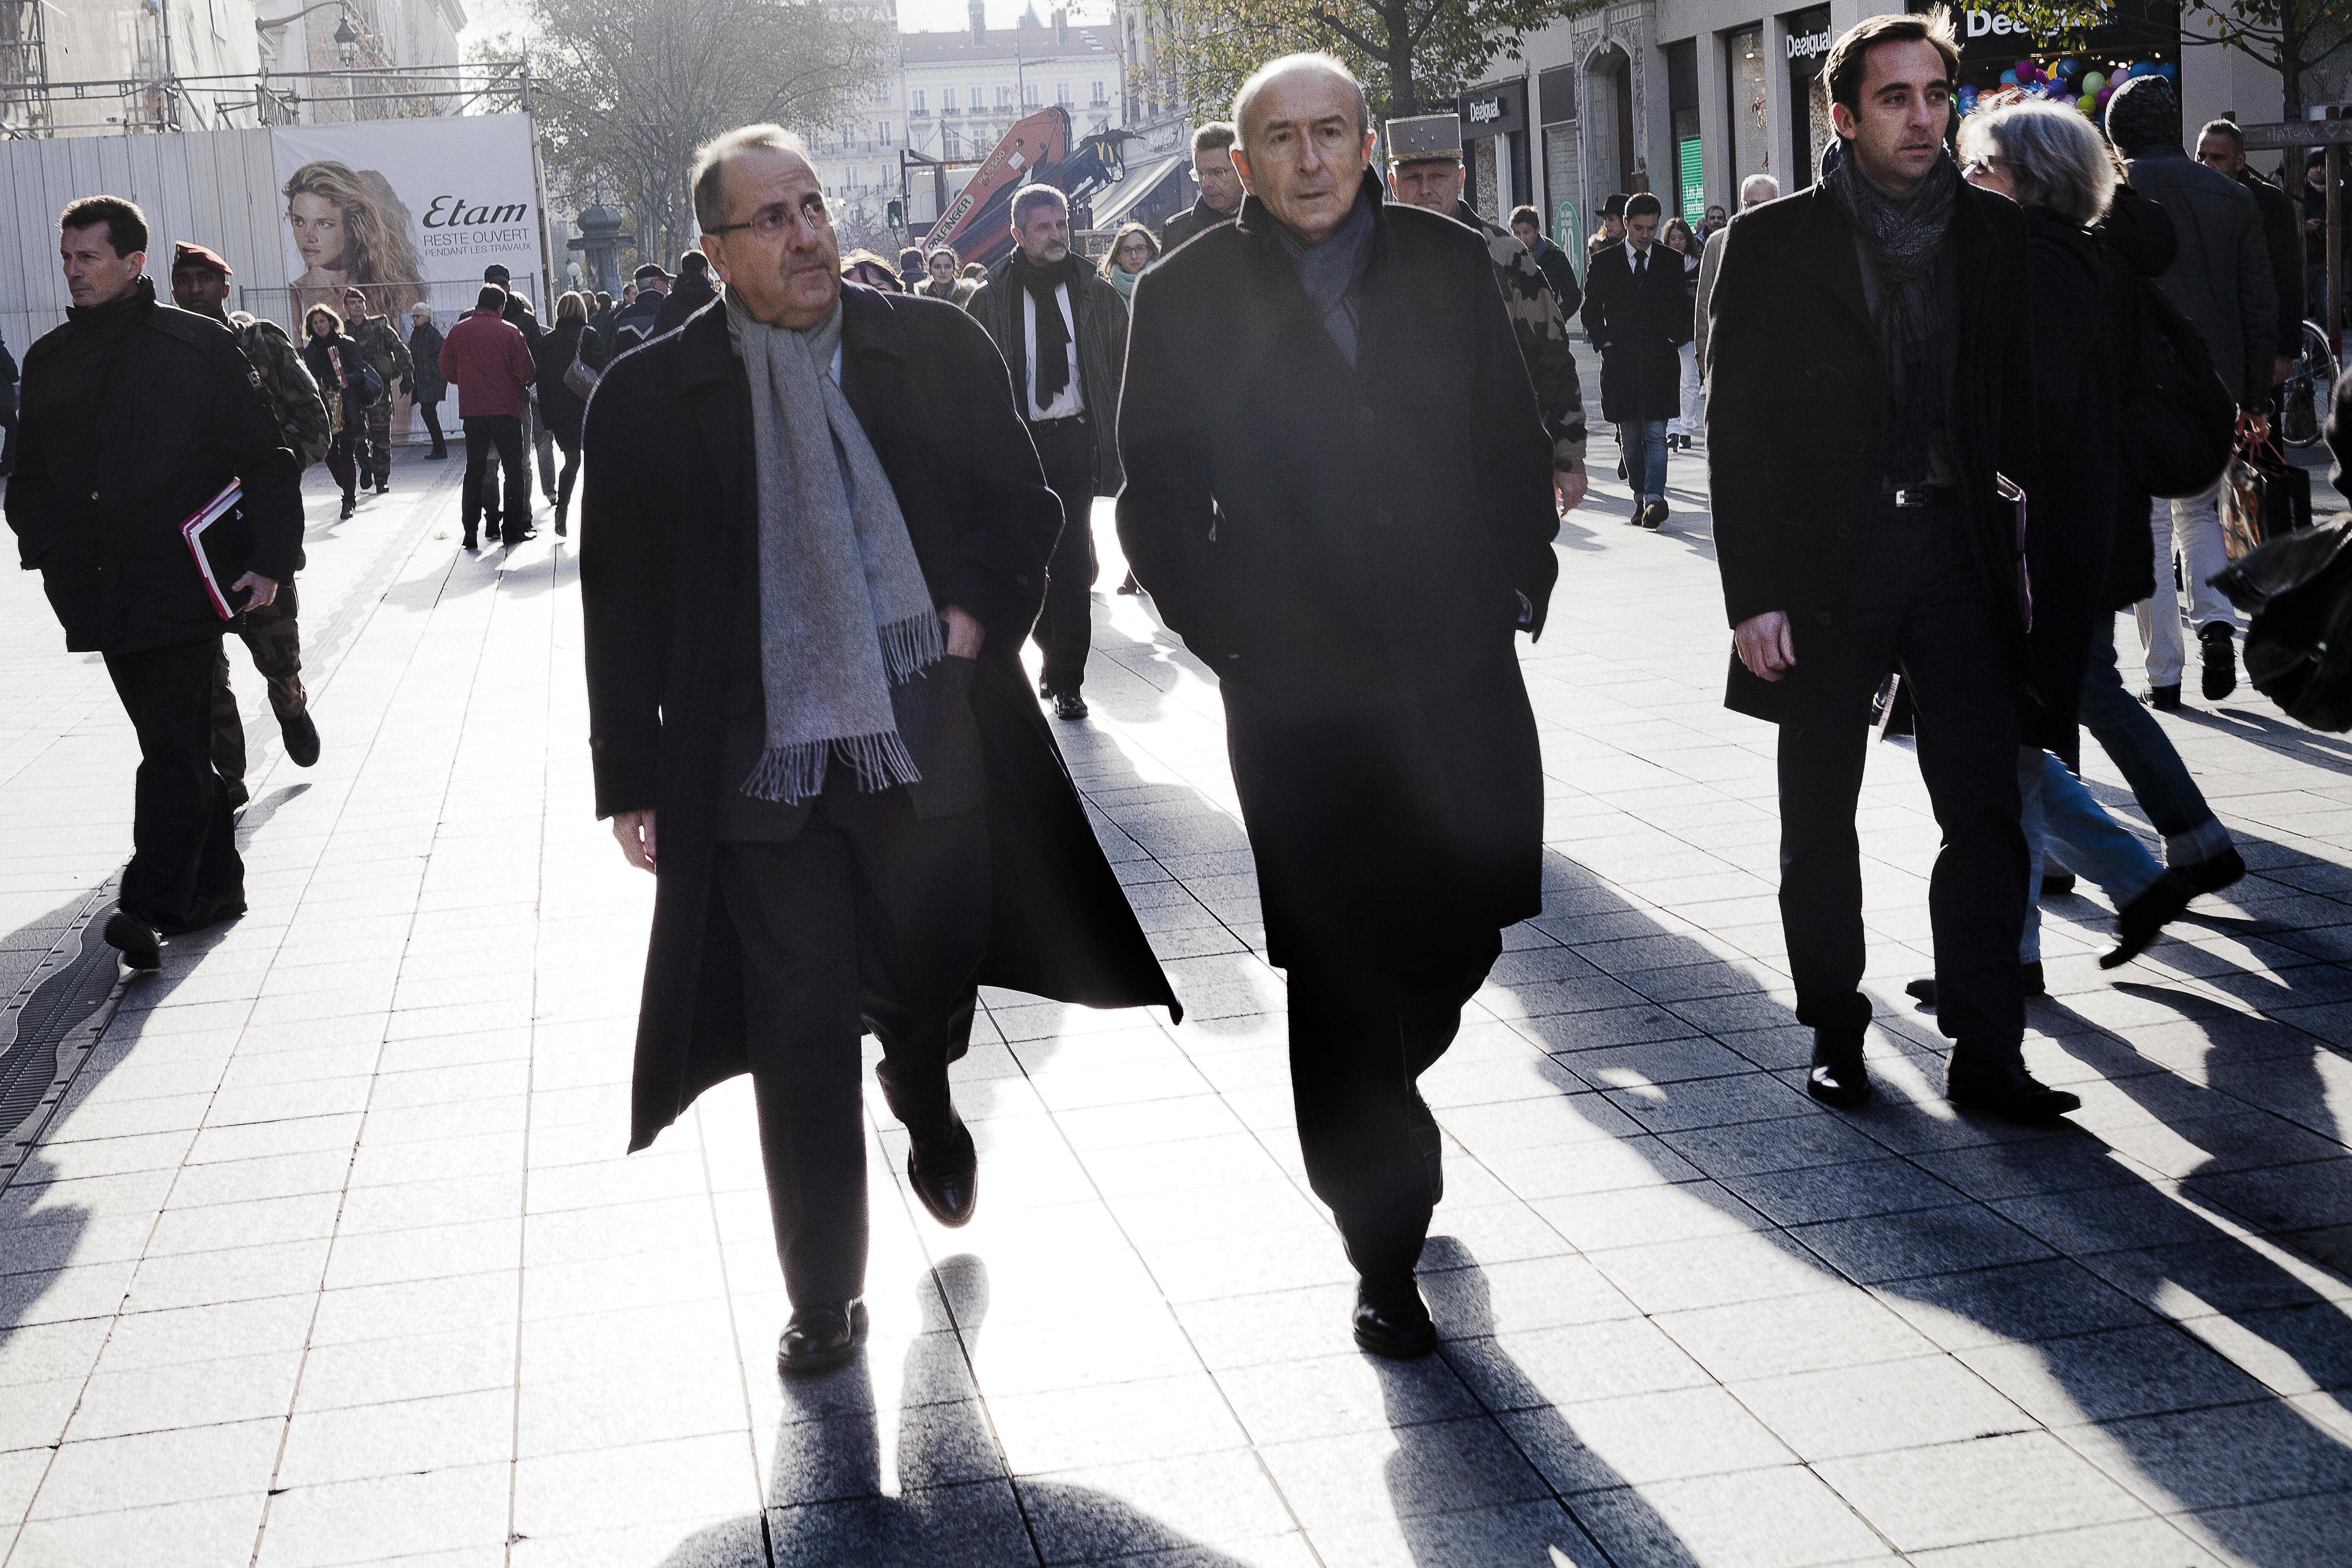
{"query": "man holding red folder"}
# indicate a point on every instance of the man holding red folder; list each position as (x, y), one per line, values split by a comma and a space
(135, 416)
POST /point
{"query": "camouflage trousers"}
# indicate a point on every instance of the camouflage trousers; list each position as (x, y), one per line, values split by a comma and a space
(371, 444)
(275, 640)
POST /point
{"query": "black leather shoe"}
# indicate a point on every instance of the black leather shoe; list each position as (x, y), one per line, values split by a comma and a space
(1069, 705)
(471, 543)
(1392, 1319)
(2220, 660)
(384, 486)
(2004, 1088)
(302, 737)
(945, 1174)
(1924, 991)
(2139, 922)
(2163, 698)
(1653, 514)
(2057, 884)
(820, 1338)
(140, 944)
(348, 507)
(2215, 872)
(1837, 1076)
(525, 537)
(437, 454)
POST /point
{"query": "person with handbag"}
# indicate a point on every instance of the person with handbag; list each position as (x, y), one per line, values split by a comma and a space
(338, 366)
(569, 360)
(487, 358)
(1871, 387)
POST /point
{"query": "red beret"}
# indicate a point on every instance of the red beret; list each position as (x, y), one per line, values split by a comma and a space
(186, 255)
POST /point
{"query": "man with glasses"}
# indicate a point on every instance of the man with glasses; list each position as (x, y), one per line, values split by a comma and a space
(1871, 388)
(813, 536)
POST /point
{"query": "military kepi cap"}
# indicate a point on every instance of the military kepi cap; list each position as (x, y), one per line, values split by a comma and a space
(1424, 136)
(651, 270)
(186, 255)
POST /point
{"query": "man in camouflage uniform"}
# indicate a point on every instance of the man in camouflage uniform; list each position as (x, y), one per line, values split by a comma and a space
(1425, 171)
(272, 631)
(379, 340)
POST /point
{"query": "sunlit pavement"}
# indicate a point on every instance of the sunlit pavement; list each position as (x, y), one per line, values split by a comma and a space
(331, 1253)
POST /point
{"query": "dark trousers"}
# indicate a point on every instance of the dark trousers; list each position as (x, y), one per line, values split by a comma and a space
(1923, 611)
(273, 635)
(564, 482)
(375, 445)
(184, 872)
(1065, 627)
(870, 919)
(1363, 1032)
(342, 462)
(503, 433)
(432, 416)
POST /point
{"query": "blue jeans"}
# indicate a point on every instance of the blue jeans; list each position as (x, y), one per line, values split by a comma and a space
(2138, 744)
(2061, 814)
(1645, 446)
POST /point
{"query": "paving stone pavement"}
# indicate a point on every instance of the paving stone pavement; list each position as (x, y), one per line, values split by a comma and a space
(332, 1254)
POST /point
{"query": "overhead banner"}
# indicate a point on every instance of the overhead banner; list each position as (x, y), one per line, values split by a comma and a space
(397, 206)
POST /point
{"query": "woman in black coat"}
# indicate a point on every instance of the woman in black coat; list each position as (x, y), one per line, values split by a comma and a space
(425, 348)
(559, 405)
(2052, 162)
(335, 360)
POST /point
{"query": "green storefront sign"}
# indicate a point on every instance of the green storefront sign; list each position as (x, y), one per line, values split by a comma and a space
(1694, 183)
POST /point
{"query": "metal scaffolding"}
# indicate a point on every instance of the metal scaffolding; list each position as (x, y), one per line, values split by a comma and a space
(30, 102)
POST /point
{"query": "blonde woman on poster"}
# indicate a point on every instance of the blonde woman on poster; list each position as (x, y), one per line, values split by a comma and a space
(350, 228)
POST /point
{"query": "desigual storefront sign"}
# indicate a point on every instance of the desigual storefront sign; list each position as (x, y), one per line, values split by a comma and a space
(1494, 110)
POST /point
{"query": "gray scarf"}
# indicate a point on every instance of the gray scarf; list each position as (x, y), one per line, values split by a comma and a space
(1330, 271)
(844, 614)
(1903, 236)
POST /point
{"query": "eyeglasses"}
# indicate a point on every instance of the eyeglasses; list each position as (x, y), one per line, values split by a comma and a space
(1977, 168)
(771, 221)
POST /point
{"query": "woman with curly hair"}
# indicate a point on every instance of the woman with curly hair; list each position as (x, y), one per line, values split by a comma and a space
(352, 229)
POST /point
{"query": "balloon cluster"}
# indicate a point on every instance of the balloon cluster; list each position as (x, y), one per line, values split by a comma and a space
(2064, 80)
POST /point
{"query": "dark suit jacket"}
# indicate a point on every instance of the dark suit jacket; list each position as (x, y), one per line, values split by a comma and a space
(1195, 219)
(668, 494)
(1639, 329)
(1794, 459)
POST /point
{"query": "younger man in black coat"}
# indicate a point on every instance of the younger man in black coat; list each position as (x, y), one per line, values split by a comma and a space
(1871, 385)
(136, 415)
(1638, 315)
(1339, 493)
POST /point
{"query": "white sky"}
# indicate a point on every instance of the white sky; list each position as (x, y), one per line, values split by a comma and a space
(486, 18)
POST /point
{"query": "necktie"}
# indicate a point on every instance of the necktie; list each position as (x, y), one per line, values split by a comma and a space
(1641, 265)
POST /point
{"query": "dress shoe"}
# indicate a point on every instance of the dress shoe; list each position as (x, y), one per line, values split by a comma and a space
(384, 486)
(2139, 922)
(1655, 514)
(819, 1338)
(2163, 698)
(1984, 1082)
(2215, 872)
(1069, 705)
(140, 944)
(301, 737)
(1837, 1076)
(945, 1173)
(349, 507)
(2057, 884)
(525, 537)
(1924, 991)
(1392, 1319)
(470, 544)
(237, 792)
(437, 454)
(2220, 660)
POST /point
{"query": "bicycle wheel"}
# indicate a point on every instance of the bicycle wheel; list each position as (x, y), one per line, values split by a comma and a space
(2309, 389)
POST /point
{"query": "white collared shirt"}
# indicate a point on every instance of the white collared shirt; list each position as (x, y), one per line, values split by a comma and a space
(1633, 256)
(1070, 402)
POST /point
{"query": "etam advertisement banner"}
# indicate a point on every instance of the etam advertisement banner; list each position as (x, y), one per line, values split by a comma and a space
(392, 205)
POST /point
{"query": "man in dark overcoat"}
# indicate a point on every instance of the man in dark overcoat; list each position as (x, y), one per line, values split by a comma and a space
(1339, 493)
(1638, 315)
(1062, 330)
(1871, 386)
(805, 602)
(137, 416)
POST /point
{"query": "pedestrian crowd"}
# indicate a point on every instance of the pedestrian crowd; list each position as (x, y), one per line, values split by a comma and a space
(825, 500)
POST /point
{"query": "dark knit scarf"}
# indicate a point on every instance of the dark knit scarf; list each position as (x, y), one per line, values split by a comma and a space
(1903, 236)
(1330, 271)
(1053, 331)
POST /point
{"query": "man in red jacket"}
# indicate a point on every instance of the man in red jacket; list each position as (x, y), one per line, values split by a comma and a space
(490, 365)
